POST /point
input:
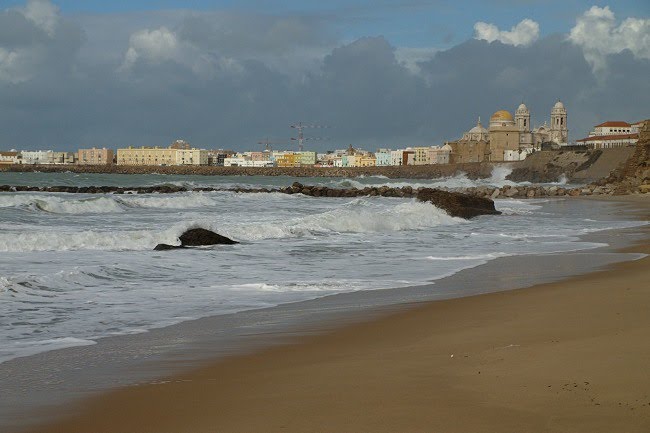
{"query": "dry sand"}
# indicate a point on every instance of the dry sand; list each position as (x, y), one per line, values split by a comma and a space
(572, 356)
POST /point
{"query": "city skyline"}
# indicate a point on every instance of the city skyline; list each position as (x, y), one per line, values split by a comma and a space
(229, 75)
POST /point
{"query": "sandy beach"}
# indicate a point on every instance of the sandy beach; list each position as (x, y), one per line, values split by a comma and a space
(570, 356)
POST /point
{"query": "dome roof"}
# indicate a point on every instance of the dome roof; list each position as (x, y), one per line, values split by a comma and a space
(559, 105)
(501, 116)
(522, 108)
(478, 129)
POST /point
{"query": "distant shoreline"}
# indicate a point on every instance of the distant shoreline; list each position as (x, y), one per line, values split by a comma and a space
(472, 170)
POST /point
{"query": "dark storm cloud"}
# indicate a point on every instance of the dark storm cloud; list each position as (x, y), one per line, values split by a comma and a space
(236, 34)
(200, 79)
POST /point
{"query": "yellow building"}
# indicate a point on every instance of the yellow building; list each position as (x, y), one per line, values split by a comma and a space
(191, 157)
(288, 159)
(366, 161)
(146, 156)
(504, 136)
(421, 156)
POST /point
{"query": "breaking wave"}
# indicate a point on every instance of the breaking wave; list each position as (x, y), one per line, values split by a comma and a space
(460, 180)
(104, 204)
(358, 216)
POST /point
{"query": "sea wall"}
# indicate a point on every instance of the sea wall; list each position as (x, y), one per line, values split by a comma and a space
(472, 170)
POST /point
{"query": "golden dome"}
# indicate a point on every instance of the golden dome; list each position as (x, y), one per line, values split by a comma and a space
(501, 116)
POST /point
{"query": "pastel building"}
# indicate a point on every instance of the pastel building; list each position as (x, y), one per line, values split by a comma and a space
(439, 154)
(349, 161)
(421, 155)
(191, 157)
(146, 156)
(288, 159)
(396, 157)
(307, 157)
(95, 156)
(9, 158)
(383, 157)
(367, 161)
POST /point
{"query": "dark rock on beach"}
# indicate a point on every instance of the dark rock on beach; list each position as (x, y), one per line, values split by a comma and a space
(458, 204)
(197, 237)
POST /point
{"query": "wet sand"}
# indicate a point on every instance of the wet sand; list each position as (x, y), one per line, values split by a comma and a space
(559, 357)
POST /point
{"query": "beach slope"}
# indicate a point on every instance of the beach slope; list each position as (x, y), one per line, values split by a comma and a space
(571, 356)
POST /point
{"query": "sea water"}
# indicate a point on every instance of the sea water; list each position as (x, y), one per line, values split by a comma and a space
(78, 267)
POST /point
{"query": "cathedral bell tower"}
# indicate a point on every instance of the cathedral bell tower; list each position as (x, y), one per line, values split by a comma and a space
(522, 118)
(559, 129)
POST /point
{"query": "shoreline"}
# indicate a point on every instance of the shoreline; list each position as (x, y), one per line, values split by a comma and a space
(370, 317)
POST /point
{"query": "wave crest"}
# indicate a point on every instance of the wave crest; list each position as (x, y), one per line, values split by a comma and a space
(358, 216)
(104, 204)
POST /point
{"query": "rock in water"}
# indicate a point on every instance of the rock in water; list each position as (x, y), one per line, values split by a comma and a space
(164, 247)
(197, 237)
(458, 204)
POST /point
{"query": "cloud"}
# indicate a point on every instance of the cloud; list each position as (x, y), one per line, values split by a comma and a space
(524, 33)
(42, 13)
(155, 46)
(224, 80)
(597, 33)
(35, 37)
(411, 57)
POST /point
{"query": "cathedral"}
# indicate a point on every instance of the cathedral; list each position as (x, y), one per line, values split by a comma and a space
(508, 138)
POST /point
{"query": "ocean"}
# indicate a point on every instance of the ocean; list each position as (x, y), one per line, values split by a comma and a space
(75, 268)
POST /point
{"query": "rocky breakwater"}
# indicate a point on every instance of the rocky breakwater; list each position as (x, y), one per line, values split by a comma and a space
(508, 191)
(490, 192)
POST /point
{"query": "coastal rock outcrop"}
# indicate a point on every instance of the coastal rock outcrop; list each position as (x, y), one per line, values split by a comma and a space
(458, 204)
(197, 237)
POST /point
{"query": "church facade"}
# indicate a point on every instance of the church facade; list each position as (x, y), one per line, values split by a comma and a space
(509, 138)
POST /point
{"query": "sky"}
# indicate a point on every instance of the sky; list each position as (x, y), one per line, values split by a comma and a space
(228, 74)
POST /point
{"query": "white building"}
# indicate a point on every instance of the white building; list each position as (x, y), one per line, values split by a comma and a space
(612, 134)
(8, 158)
(32, 157)
(236, 161)
(396, 157)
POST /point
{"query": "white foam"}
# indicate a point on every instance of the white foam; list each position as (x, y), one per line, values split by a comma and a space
(487, 256)
(358, 216)
(460, 180)
(105, 204)
(180, 201)
(32, 347)
(86, 240)
(59, 205)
